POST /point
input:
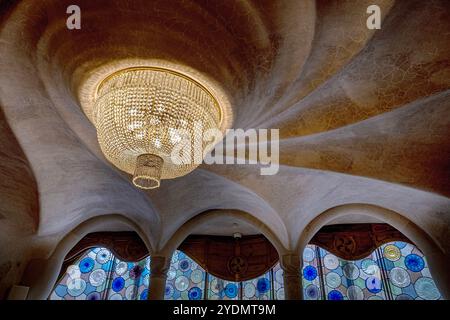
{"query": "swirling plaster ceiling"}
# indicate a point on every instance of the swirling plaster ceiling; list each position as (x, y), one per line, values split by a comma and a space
(363, 114)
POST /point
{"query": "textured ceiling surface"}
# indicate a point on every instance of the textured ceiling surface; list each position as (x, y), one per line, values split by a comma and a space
(363, 114)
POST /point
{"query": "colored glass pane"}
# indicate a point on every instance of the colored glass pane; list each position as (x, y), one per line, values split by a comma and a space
(185, 279)
(259, 288)
(98, 275)
(396, 270)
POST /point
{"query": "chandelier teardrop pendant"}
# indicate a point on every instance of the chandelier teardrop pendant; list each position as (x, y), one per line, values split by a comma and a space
(142, 113)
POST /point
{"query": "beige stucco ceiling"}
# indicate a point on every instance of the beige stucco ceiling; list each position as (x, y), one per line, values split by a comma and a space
(363, 114)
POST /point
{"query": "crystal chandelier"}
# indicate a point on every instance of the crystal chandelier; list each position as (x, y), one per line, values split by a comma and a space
(141, 114)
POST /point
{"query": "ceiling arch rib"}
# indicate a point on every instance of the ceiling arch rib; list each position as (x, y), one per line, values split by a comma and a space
(186, 199)
(210, 216)
(299, 194)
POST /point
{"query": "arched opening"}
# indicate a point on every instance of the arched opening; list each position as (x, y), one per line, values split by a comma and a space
(394, 271)
(105, 266)
(117, 266)
(361, 252)
(235, 261)
(42, 275)
(98, 274)
(224, 255)
(224, 268)
(221, 255)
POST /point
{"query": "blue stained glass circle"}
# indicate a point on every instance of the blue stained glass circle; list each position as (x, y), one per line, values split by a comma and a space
(61, 290)
(414, 262)
(197, 276)
(400, 277)
(309, 273)
(231, 290)
(195, 293)
(144, 294)
(373, 284)
(168, 292)
(115, 296)
(97, 277)
(103, 256)
(249, 290)
(335, 295)
(86, 265)
(73, 271)
(171, 274)
(312, 292)
(333, 280)
(94, 296)
(75, 287)
(355, 293)
(181, 283)
(118, 284)
(351, 271)
(263, 285)
(184, 265)
(121, 268)
(308, 254)
(131, 292)
(369, 267)
(426, 289)
(330, 261)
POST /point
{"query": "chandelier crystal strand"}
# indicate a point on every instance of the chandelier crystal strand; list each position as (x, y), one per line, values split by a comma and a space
(140, 115)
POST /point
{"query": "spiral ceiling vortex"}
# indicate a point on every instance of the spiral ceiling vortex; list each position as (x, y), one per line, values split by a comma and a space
(363, 114)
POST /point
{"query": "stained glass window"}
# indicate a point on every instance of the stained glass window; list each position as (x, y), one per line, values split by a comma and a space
(220, 289)
(185, 279)
(352, 280)
(396, 270)
(310, 274)
(99, 275)
(407, 272)
(259, 288)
